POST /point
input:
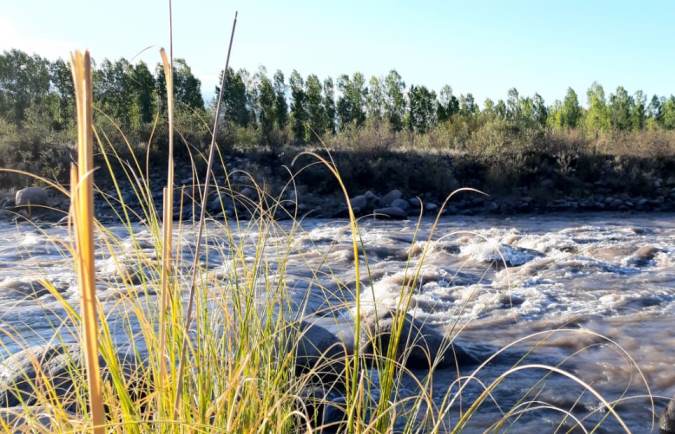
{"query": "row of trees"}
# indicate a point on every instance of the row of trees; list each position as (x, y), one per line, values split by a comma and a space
(33, 89)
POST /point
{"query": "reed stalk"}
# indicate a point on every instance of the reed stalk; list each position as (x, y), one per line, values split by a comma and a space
(202, 218)
(83, 221)
(167, 220)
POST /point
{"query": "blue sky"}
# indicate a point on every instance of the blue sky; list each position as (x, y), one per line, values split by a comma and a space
(484, 47)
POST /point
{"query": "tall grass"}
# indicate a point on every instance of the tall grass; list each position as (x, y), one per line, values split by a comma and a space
(83, 223)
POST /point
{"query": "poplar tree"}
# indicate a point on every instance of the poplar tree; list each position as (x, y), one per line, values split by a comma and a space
(315, 109)
(298, 108)
(394, 100)
(280, 104)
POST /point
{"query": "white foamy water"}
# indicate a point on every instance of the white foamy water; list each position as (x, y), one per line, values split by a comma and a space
(498, 279)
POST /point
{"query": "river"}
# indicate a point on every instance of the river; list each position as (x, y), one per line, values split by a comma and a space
(498, 279)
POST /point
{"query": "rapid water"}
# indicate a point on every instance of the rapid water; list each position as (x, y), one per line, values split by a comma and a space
(495, 279)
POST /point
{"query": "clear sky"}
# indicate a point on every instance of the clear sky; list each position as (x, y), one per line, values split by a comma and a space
(484, 47)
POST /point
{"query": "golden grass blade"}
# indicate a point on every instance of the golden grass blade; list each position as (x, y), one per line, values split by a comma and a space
(83, 217)
(167, 223)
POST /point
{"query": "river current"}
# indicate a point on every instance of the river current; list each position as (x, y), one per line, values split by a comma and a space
(496, 279)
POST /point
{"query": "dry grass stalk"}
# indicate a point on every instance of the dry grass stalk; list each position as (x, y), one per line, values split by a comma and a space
(83, 220)
(202, 218)
(167, 223)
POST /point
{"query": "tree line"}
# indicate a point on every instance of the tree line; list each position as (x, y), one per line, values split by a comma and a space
(300, 110)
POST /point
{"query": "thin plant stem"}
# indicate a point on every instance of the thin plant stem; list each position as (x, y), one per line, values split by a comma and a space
(200, 224)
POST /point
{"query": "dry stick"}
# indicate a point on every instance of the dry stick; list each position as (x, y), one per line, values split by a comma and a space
(200, 230)
(83, 216)
(167, 218)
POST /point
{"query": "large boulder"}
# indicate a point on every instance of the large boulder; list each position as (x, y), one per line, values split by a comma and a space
(37, 371)
(390, 197)
(321, 345)
(390, 212)
(24, 419)
(667, 421)
(326, 406)
(31, 196)
(400, 203)
(643, 256)
(359, 202)
(420, 345)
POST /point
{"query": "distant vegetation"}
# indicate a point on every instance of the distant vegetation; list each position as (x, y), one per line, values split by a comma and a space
(350, 113)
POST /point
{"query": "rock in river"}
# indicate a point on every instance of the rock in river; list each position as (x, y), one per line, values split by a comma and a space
(420, 345)
(31, 196)
(667, 421)
(390, 212)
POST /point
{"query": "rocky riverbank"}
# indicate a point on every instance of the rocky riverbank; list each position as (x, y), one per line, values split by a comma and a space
(396, 186)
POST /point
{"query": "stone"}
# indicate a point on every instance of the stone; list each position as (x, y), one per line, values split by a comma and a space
(322, 344)
(400, 203)
(420, 345)
(390, 197)
(29, 289)
(19, 379)
(325, 406)
(24, 374)
(360, 202)
(390, 212)
(31, 196)
(22, 419)
(250, 193)
(430, 207)
(370, 196)
(643, 256)
(667, 421)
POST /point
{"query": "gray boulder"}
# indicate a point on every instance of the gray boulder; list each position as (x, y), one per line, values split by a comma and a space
(39, 369)
(25, 374)
(325, 406)
(667, 421)
(23, 419)
(400, 203)
(643, 256)
(321, 345)
(359, 202)
(390, 197)
(31, 196)
(390, 212)
(419, 346)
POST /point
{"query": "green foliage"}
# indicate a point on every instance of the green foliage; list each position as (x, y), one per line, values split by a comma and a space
(266, 99)
(394, 100)
(448, 104)
(37, 107)
(316, 116)
(570, 114)
(298, 108)
(235, 98)
(422, 114)
(329, 109)
(597, 115)
(352, 102)
(280, 104)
